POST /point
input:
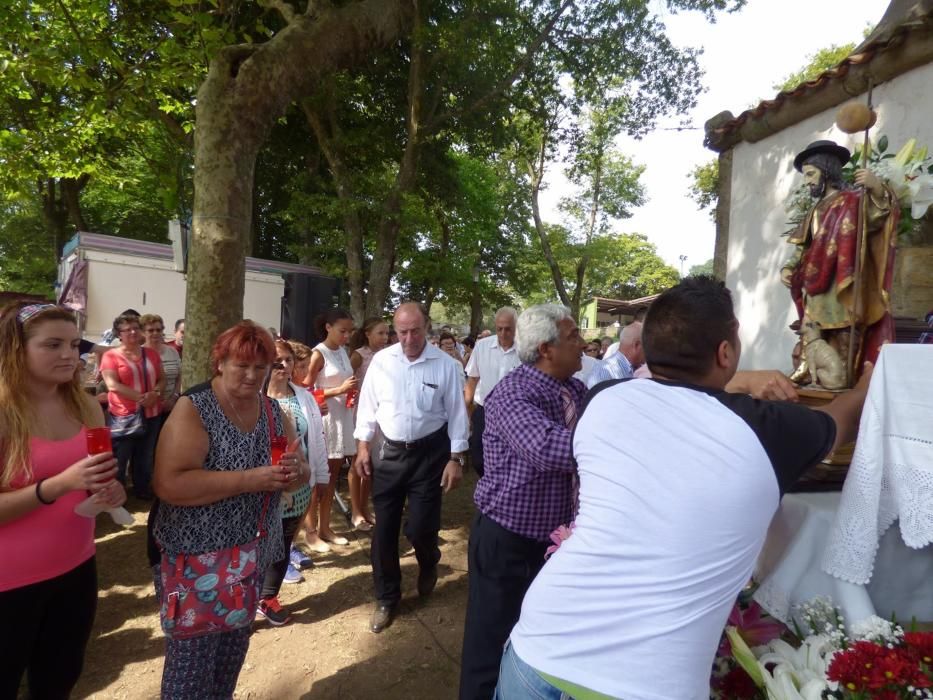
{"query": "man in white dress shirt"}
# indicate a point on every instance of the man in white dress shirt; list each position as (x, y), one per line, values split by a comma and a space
(622, 365)
(491, 360)
(413, 393)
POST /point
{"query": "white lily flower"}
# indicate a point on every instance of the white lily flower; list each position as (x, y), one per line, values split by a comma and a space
(921, 191)
(797, 674)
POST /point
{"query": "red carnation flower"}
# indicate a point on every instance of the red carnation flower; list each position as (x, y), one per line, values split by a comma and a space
(922, 644)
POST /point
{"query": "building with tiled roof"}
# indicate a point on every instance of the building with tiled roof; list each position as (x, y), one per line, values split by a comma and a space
(756, 173)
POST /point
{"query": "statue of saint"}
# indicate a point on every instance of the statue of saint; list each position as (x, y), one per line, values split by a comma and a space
(821, 271)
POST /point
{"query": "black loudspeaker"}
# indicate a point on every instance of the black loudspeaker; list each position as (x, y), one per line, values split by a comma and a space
(305, 297)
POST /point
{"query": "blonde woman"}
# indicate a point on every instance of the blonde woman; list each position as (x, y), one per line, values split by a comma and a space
(302, 355)
(48, 581)
(154, 336)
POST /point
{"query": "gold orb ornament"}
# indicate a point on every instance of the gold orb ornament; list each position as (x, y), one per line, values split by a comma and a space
(854, 117)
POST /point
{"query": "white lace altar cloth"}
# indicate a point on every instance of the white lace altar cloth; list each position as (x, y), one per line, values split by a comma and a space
(891, 476)
(789, 567)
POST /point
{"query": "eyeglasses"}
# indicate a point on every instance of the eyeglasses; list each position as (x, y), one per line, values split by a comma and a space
(155, 330)
(131, 329)
(278, 365)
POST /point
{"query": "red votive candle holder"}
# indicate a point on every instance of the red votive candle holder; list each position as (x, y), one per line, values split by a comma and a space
(279, 445)
(98, 441)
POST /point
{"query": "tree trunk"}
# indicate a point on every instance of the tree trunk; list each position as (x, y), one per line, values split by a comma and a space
(247, 88)
(435, 285)
(71, 195)
(331, 147)
(536, 172)
(383, 264)
(590, 233)
(476, 305)
(54, 215)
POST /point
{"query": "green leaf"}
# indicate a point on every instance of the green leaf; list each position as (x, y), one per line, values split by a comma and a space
(744, 656)
(883, 144)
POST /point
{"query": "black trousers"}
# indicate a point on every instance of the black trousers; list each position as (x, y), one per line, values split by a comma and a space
(139, 452)
(501, 567)
(415, 474)
(478, 423)
(46, 627)
(275, 574)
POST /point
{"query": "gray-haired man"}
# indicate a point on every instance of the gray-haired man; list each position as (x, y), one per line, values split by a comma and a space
(492, 359)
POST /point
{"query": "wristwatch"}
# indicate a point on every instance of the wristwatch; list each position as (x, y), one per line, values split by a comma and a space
(458, 458)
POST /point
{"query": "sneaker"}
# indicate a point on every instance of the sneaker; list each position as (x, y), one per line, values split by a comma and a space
(292, 575)
(299, 559)
(272, 610)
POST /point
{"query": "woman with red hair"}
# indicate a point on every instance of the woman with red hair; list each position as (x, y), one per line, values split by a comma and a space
(216, 482)
(48, 581)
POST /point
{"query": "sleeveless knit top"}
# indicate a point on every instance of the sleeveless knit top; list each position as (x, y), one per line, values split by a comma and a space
(231, 521)
(302, 497)
(49, 540)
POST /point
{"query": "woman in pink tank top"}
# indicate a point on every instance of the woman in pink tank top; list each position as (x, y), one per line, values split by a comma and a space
(48, 581)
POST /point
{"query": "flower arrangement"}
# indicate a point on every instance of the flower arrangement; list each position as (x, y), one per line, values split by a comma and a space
(875, 660)
(909, 172)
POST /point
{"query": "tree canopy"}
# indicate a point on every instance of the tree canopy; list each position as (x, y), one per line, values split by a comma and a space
(401, 145)
(817, 64)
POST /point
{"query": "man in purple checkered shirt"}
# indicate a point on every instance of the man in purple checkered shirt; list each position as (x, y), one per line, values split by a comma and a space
(526, 490)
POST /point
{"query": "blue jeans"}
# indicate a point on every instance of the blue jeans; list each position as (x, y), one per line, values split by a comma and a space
(519, 681)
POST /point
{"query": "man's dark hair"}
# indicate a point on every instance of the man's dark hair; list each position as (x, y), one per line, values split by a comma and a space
(685, 326)
(446, 335)
(178, 323)
(830, 166)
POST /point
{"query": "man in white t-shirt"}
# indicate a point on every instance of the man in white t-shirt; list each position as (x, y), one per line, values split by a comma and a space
(492, 358)
(679, 481)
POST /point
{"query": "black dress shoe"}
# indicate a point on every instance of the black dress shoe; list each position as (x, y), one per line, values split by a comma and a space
(427, 579)
(383, 614)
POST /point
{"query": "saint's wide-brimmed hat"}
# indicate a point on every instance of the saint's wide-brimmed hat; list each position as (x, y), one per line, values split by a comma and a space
(823, 146)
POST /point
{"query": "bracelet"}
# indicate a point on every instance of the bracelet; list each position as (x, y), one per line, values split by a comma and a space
(39, 494)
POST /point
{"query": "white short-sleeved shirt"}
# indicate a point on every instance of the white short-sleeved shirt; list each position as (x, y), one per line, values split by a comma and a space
(490, 362)
(677, 488)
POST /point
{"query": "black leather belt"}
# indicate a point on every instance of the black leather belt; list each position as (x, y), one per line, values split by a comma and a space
(415, 444)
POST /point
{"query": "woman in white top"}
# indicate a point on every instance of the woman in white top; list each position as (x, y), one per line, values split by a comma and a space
(330, 370)
(366, 342)
(154, 334)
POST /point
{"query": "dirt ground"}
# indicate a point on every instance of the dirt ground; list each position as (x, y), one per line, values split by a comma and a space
(326, 652)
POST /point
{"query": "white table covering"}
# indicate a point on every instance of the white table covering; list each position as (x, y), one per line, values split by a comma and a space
(891, 476)
(790, 574)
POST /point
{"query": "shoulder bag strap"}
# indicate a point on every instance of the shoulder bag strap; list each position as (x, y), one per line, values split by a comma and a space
(145, 371)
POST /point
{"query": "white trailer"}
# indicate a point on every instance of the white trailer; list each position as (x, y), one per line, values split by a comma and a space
(100, 276)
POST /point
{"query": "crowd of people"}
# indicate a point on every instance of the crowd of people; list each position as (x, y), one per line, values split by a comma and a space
(659, 462)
